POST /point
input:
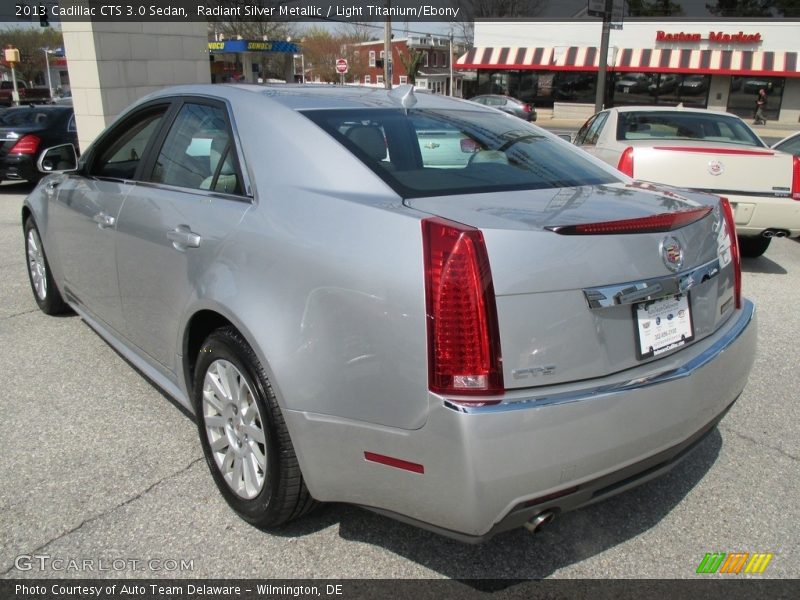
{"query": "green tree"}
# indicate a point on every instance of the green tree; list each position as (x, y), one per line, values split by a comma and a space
(656, 8)
(741, 8)
(30, 42)
(412, 62)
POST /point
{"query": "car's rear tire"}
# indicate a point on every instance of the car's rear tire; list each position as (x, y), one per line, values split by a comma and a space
(243, 434)
(44, 288)
(753, 247)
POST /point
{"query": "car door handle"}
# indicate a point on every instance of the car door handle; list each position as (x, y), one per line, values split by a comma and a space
(182, 237)
(104, 221)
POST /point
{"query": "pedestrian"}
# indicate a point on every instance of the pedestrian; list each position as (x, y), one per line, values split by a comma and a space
(761, 104)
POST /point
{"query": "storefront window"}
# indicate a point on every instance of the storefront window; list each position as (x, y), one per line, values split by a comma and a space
(665, 89)
(743, 93)
(541, 88)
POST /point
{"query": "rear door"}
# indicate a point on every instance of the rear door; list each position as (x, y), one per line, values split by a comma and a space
(174, 222)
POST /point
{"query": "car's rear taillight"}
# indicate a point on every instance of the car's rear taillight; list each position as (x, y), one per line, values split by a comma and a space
(27, 144)
(796, 178)
(527, 108)
(652, 224)
(463, 336)
(730, 230)
(469, 146)
(626, 161)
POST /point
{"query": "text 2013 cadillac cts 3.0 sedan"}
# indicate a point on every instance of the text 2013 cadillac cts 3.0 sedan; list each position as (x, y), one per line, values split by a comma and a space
(402, 301)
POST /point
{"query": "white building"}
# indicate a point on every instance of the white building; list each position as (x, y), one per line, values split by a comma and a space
(715, 64)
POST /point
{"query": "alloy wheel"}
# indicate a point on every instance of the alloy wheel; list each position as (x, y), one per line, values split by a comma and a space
(235, 429)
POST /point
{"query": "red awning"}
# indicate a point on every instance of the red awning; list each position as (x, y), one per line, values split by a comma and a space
(507, 58)
(579, 58)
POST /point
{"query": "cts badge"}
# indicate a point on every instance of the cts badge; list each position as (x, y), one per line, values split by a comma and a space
(672, 253)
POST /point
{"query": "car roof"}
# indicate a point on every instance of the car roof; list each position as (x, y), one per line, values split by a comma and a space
(316, 96)
(678, 109)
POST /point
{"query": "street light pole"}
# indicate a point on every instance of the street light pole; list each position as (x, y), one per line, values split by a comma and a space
(387, 49)
(47, 64)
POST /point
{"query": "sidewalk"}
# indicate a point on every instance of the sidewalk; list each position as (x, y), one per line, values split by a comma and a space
(771, 129)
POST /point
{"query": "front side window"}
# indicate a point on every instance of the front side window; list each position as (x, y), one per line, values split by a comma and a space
(428, 152)
(124, 146)
(198, 151)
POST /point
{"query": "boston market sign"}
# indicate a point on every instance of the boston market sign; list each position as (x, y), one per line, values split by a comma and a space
(716, 37)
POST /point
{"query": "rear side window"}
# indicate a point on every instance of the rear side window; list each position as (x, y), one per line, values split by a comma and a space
(427, 152)
(684, 126)
(590, 132)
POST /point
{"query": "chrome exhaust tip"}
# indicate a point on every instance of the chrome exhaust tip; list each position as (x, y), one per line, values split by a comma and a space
(769, 233)
(539, 521)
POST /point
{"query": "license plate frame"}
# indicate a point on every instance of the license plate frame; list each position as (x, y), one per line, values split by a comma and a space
(662, 325)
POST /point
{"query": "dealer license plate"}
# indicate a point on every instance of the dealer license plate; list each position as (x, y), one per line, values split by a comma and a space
(662, 325)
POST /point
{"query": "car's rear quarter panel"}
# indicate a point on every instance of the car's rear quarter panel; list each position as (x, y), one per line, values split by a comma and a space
(330, 282)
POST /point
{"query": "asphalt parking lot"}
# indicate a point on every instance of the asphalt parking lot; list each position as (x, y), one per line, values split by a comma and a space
(97, 464)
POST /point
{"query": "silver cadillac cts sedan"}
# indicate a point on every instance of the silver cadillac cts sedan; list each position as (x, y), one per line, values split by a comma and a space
(402, 301)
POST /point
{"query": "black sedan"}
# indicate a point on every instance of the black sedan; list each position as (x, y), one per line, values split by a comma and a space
(26, 131)
(512, 106)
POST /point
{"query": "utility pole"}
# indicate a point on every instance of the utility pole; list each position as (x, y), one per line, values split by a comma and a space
(387, 49)
(603, 61)
(450, 62)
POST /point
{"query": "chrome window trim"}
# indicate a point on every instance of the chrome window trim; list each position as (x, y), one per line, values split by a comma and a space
(195, 191)
(686, 370)
(633, 292)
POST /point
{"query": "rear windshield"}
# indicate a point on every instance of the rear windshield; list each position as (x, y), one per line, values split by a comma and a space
(684, 126)
(26, 117)
(427, 152)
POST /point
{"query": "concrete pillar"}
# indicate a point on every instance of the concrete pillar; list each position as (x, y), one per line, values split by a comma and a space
(790, 104)
(113, 64)
(718, 91)
(247, 67)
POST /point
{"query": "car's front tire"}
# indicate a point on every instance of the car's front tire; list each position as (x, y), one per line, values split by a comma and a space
(243, 434)
(753, 247)
(45, 291)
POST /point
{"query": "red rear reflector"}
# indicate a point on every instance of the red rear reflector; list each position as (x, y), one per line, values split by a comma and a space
(626, 162)
(28, 144)
(796, 178)
(463, 335)
(730, 226)
(651, 224)
(697, 150)
(394, 462)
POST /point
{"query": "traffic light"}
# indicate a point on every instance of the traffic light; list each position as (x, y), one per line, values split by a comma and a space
(43, 18)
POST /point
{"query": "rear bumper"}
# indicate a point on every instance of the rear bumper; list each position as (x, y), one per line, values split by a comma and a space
(18, 167)
(754, 215)
(488, 469)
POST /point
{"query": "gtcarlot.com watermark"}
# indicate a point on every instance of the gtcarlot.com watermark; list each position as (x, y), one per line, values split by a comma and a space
(70, 564)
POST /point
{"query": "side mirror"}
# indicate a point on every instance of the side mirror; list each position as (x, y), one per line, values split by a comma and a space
(565, 136)
(58, 159)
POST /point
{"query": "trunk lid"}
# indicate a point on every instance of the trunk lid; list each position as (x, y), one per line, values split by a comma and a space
(552, 327)
(714, 167)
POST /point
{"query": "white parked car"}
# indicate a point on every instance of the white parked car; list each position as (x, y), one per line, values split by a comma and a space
(708, 151)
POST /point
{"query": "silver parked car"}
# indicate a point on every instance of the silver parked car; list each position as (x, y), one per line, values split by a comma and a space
(470, 345)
